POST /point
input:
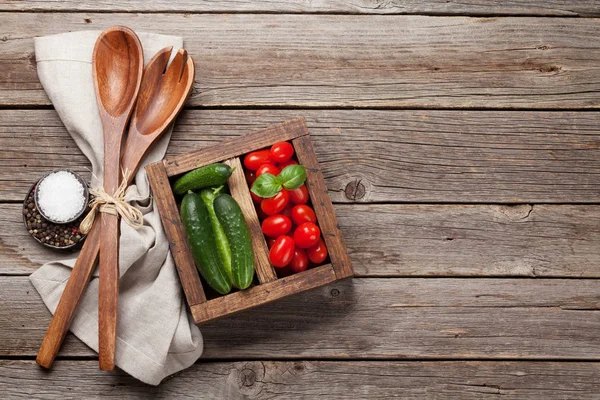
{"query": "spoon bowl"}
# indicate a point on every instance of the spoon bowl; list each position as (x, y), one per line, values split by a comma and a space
(118, 62)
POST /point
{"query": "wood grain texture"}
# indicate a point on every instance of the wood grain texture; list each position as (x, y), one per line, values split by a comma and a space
(447, 7)
(369, 156)
(421, 240)
(171, 221)
(311, 379)
(259, 295)
(379, 318)
(241, 193)
(321, 202)
(339, 60)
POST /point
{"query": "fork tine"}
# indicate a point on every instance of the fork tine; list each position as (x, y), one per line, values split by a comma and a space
(176, 67)
(189, 68)
(158, 63)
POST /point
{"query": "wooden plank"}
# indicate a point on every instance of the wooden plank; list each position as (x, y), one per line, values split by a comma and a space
(321, 202)
(436, 7)
(312, 379)
(169, 216)
(346, 60)
(367, 155)
(375, 318)
(241, 193)
(259, 295)
(421, 240)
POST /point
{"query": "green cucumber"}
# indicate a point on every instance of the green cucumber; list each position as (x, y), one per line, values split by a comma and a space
(240, 241)
(208, 196)
(196, 221)
(210, 175)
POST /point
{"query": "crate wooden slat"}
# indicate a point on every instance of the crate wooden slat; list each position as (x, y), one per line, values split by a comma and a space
(240, 192)
(163, 195)
(263, 294)
(235, 147)
(270, 288)
(321, 202)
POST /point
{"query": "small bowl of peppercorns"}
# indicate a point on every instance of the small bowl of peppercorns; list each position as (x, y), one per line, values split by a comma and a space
(57, 236)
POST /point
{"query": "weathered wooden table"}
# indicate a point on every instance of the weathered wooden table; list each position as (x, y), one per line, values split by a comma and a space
(460, 142)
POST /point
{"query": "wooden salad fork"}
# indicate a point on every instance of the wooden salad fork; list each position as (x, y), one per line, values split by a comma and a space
(161, 95)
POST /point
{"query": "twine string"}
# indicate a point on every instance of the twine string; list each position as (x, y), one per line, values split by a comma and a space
(112, 204)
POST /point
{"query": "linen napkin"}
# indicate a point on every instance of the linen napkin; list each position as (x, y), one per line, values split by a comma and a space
(156, 336)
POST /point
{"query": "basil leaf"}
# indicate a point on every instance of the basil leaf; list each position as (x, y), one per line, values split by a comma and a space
(267, 185)
(292, 176)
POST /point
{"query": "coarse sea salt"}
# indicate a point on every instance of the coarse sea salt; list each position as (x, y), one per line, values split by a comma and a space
(60, 196)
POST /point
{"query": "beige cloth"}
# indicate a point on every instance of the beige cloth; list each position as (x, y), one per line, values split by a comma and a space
(156, 336)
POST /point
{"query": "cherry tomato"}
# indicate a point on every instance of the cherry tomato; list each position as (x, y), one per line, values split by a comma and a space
(267, 168)
(282, 251)
(270, 242)
(282, 152)
(299, 196)
(276, 225)
(256, 198)
(257, 158)
(307, 235)
(299, 262)
(303, 213)
(275, 204)
(289, 162)
(318, 253)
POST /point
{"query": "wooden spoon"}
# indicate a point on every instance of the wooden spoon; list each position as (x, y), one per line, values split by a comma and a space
(117, 67)
(139, 140)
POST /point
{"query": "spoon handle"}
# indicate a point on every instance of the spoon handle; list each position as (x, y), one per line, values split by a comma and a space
(76, 285)
(108, 291)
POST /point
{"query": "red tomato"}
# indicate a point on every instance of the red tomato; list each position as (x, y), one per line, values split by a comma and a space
(307, 235)
(282, 152)
(270, 242)
(275, 204)
(256, 198)
(289, 162)
(276, 225)
(299, 196)
(299, 261)
(257, 158)
(317, 253)
(282, 251)
(250, 177)
(303, 213)
(267, 168)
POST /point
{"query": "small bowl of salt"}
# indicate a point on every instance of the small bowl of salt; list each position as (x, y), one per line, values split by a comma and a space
(61, 196)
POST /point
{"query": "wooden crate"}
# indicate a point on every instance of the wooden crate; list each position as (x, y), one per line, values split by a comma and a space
(270, 287)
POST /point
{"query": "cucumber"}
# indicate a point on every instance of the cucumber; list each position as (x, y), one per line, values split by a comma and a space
(210, 175)
(196, 221)
(208, 196)
(240, 241)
